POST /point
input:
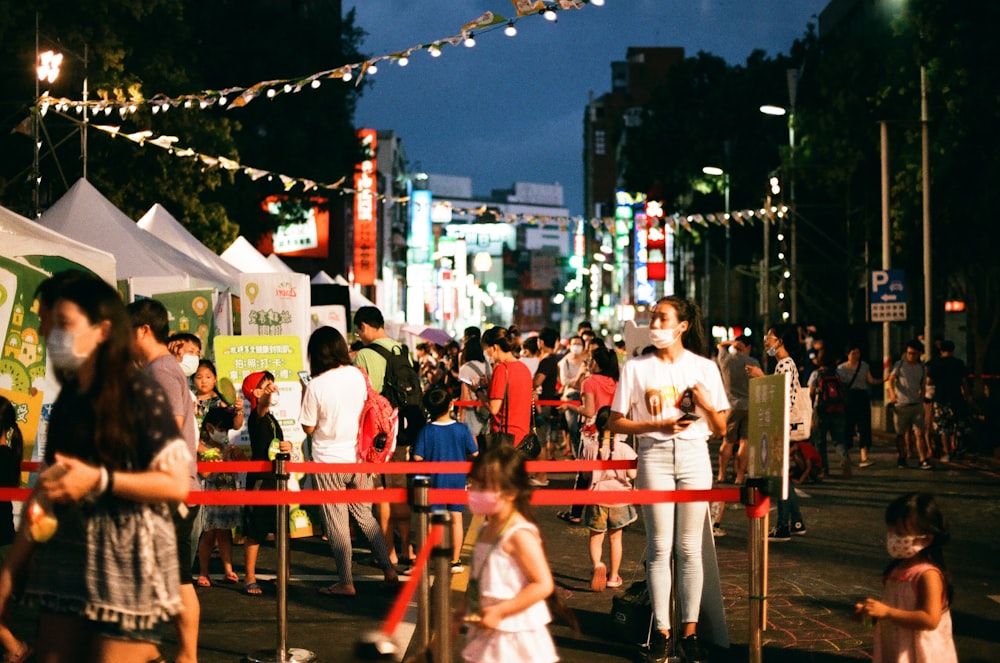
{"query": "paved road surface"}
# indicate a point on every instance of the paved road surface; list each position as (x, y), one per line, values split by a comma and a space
(814, 580)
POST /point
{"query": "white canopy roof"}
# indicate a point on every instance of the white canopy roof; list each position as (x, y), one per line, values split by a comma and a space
(87, 216)
(279, 264)
(242, 255)
(322, 278)
(161, 224)
(23, 237)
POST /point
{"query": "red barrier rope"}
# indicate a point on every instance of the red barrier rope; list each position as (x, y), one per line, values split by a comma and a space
(398, 609)
(545, 497)
(554, 403)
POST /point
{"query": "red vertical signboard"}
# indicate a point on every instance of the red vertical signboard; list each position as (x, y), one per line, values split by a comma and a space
(365, 229)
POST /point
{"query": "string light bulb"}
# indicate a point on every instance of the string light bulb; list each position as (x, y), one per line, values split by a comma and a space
(403, 61)
(372, 69)
(597, 3)
(510, 30)
(348, 76)
(271, 93)
(315, 84)
(549, 14)
(434, 50)
(470, 41)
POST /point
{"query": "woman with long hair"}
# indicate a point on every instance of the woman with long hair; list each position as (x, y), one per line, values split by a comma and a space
(474, 375)
(672, 401)
(331, 413)
(115, 467)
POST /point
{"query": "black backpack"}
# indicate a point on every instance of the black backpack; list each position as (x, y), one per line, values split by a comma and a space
(402, 388)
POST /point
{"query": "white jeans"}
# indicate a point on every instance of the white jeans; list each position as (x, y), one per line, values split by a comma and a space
(670, 465)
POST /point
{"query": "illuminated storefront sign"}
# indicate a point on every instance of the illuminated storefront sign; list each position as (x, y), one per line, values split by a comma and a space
(365, 212)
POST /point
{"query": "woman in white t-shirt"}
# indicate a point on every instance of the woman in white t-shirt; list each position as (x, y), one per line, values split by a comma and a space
(331, 413)
(475, 376)
(672, 401)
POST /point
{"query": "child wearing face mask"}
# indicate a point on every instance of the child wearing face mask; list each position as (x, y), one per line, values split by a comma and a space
(509, 579)
(914, 619)
(207, 396)
(219, 519)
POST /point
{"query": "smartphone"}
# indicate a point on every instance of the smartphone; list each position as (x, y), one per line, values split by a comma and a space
(304, 377)
(689, 416)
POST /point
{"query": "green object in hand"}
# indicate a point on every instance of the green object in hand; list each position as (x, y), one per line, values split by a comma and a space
(227, 390)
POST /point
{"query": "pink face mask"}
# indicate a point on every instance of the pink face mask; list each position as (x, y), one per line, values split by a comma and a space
(485, 502)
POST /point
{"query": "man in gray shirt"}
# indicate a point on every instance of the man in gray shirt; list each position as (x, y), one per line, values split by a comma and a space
(734, 358)
(150, 331)
(906, 393)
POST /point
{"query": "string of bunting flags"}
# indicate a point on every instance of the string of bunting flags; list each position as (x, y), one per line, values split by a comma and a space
(169, 143)
(128, 101)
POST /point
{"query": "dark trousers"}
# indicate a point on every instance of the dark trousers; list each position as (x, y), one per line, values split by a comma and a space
(859, 415)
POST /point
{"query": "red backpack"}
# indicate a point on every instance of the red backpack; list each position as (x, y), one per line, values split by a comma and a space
(830, 394)
(376, 427)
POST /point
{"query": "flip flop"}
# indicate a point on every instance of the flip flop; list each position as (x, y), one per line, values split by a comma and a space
(252, 589)
(338, 589)
(614, 583)
(568, 517)
(203, 581)
(231, 578)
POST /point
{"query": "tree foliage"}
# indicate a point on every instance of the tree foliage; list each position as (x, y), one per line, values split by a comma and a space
(175, 48)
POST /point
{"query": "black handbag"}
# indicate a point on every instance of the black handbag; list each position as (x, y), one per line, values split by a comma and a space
(491, 439)
(530, 446)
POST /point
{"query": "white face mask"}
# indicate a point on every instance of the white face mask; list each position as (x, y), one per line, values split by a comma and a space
(904, 547)
(220, 437)
(274, 399)
(61, 345)
(189, 364)
(576, 349)
(771, 351)
(663, 338)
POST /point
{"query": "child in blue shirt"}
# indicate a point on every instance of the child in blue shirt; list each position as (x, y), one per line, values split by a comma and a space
(446, 440)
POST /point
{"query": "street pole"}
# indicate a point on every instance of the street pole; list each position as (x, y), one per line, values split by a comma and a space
(886, 360)
(728, 256)
(36, 131)
(793, 80)
(86, 118)
(926, 186)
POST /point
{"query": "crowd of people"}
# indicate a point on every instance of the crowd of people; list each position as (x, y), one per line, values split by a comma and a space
(138, 407)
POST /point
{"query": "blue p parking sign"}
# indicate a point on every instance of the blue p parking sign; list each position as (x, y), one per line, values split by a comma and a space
(888, 295)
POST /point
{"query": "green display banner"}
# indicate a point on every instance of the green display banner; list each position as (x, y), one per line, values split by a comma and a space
(767, 457)
(191, 312)
(238, 356)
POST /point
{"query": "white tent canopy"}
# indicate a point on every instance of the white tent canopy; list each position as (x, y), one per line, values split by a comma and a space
(87, 216)
(322, 278)
(161, 224)
(279, 264)
(22, 237)
(242, 255)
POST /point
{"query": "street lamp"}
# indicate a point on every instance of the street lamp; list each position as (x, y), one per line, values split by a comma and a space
(767, 109)
(47, 68)
(717, 172)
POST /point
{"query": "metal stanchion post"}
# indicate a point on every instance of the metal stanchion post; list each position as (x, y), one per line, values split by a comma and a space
(420, 505)
(281, 653)
(757, 505)
(442, 589)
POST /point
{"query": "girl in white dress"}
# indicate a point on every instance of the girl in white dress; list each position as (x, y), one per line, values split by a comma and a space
(510, 578)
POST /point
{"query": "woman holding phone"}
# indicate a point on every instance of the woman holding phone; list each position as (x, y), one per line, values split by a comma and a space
(672, 401)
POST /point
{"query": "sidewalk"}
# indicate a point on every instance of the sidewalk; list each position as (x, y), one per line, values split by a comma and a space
(814, 580)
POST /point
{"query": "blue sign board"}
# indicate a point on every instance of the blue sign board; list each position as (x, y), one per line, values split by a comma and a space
(888, 286)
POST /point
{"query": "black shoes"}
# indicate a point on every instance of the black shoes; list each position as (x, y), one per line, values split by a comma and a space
(659, 649)
(691, 650)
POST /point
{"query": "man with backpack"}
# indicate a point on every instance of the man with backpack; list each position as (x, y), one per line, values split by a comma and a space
(393, 375)
(829, 408)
